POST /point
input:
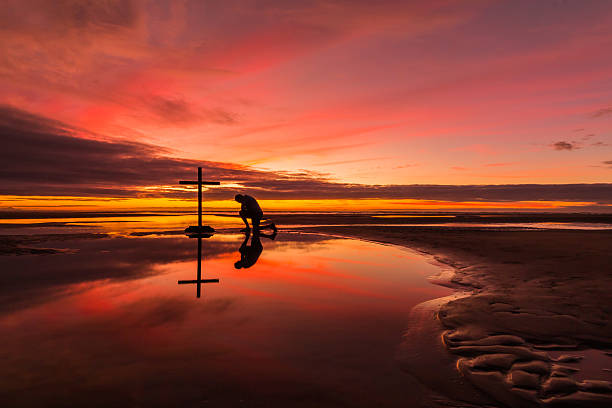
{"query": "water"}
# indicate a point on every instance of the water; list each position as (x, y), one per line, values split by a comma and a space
(166, 222)
(315, 321)
(114, 225)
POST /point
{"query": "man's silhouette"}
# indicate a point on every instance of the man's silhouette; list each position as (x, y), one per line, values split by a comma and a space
(249, 208)
(249, 254)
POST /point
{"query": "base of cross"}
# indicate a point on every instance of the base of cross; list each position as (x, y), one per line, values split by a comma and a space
(204, 231)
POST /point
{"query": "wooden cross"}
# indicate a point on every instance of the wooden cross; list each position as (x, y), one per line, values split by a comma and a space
(199, 280)
(200, 183)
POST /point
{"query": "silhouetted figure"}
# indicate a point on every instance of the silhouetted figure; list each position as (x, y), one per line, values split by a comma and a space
(249, 254)
(249, 208)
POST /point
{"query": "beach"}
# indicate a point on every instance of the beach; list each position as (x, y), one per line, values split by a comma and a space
(306, 204)
(527, 325)
(532, 320)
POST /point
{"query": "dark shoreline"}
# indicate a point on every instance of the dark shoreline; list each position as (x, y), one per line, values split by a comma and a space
(530, 293)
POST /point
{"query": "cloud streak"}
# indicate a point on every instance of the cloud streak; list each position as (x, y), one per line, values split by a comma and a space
(563, 145)
(46, 157)
(602, 112)
(177, 111)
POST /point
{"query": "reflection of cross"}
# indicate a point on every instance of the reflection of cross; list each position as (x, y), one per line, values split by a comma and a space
(200, 183)
(199, 281)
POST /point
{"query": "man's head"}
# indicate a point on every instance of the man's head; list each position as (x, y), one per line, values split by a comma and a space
(239, 197)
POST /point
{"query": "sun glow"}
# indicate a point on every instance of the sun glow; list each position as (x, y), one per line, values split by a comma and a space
(67, 203)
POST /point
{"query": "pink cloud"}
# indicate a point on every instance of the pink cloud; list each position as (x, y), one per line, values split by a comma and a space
(293, 84)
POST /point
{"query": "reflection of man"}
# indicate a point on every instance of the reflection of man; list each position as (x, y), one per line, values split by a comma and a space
(249, 254)
(249, 208)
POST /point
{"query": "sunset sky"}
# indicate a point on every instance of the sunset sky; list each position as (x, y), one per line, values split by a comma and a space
(329, 104)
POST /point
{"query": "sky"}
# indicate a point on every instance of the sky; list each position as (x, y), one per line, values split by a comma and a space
(322, 104)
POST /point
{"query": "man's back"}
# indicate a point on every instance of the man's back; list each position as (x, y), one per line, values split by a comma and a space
(250, 204)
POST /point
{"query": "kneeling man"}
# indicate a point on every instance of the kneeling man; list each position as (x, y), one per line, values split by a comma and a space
(250, 209)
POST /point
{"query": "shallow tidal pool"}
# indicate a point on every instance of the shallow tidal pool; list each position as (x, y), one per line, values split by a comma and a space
(301, 320)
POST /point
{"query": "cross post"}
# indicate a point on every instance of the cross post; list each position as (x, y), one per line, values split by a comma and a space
(199, 279)
(200, 183)
(199, 197)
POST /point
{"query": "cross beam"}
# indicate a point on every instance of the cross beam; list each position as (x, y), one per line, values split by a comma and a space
(181, 282)
(198, 282)
(199, 279)
(200, 183)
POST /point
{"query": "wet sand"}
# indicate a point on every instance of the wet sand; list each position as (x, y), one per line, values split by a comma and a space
(532, 325)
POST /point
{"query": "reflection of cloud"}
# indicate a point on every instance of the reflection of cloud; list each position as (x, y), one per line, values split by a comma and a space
(28, 279)
(146, 312)
(46, 157)
(117, 258)
(562, 145)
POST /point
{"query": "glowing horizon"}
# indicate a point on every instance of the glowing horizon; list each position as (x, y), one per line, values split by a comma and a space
(32, 203)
